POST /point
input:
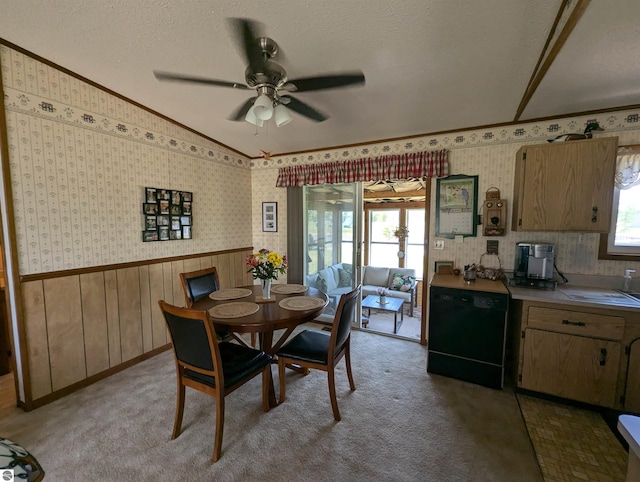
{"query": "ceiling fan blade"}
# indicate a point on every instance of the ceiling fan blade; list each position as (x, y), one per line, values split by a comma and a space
(197, 80)
(246, 31)
(303, 109)
(325, 82)
(241, 112)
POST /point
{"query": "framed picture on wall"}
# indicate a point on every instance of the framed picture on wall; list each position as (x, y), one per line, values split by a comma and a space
(150, 223)
(444, 267)
(167, 214)
(148, 236)
(456, 206)
(270, 217)
(163, 232)
(164, 206)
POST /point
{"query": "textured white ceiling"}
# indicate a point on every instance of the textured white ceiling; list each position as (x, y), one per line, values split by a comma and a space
(430, 65)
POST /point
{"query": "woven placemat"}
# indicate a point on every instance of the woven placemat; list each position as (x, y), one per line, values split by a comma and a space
(301, 303)
(236, 309)
(288, 289)
(230, 294)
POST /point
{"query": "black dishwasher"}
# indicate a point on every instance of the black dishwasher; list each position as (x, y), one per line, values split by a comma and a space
(467, 335)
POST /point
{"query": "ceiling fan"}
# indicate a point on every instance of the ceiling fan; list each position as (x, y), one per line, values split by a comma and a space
(270, 81)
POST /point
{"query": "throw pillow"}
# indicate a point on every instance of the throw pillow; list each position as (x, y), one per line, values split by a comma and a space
(344, 276)
(402, 283)
(322, 284)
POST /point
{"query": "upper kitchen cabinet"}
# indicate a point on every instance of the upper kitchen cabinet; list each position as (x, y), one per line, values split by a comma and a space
(565, 186)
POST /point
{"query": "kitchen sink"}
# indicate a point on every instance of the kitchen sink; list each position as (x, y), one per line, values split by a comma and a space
(605, 296)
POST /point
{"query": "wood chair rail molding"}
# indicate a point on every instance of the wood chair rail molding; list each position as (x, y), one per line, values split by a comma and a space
(97, 269)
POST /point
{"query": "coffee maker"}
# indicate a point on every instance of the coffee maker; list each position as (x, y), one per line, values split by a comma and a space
(535, 261)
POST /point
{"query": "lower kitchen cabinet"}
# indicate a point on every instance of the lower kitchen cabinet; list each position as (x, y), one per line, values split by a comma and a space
(590, 355)
(570, 366)
(632, 385)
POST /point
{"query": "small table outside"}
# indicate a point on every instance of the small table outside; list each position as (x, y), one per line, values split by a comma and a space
(393, 305)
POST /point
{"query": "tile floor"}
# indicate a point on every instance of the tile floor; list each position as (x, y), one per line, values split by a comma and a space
(572, 444)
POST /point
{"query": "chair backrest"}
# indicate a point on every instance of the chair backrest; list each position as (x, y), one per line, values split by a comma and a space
(199, 284)
(193, 338)
(345, 315)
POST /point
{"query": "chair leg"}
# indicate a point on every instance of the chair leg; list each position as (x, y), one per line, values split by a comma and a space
(265, 389)
(281, 375)
(332, 393)
(253, 340)
(177, 424)
(347, 360)
(217, 443)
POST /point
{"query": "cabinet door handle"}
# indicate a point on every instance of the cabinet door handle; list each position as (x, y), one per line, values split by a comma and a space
(603, 357)
(575, 323)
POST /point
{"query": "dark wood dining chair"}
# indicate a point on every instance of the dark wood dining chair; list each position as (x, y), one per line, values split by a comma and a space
(206, 365)
(321, 350)
(200, 284)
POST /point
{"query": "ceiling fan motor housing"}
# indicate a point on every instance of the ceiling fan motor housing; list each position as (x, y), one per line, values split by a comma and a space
(272, 73)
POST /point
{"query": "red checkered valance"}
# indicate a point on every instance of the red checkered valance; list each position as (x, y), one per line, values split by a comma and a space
(384, 168)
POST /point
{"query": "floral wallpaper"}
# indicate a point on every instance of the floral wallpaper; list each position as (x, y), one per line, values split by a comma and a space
(490, 154)
(80, 159)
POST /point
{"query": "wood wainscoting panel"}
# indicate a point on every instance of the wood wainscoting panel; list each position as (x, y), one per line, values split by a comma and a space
(36, 334)
(145, 309)
(167, 295)
(206, 262)
(177, 267)
(82, 326)
(113, 317)
(238, 269)
(130, 313)
(63, 309)
(156, 293)
(191, 264)
(224, 271)
(94, 320)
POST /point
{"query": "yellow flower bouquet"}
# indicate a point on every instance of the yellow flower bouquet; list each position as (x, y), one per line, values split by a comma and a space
(266, 264)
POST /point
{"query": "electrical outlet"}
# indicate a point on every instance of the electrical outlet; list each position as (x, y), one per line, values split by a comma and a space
(439, 244)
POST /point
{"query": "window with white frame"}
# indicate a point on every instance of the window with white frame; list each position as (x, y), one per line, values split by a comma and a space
(624, 235)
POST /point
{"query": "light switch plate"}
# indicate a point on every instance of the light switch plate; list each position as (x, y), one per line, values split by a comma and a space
(439, 244)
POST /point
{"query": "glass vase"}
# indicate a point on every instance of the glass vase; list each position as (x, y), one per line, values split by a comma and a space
(266, 288)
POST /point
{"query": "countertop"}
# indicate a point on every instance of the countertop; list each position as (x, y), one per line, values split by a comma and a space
(566, 294)
(629, 427)
(576, 295)
(458, 282)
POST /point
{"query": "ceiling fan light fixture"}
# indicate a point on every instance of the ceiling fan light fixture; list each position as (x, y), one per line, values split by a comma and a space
(252, 119)
(263, 107)
(282, 115)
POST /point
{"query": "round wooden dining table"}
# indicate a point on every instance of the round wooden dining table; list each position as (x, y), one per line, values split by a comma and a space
(268, 318)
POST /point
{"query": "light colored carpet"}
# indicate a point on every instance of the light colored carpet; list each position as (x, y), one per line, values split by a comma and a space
(401, 424)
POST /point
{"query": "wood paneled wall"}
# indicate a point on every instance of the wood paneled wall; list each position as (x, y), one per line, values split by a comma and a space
(85, 325)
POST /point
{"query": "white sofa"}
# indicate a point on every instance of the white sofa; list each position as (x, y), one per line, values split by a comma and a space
(335, 280)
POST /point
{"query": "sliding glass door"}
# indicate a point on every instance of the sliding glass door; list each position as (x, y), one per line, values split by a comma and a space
(332, 239)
